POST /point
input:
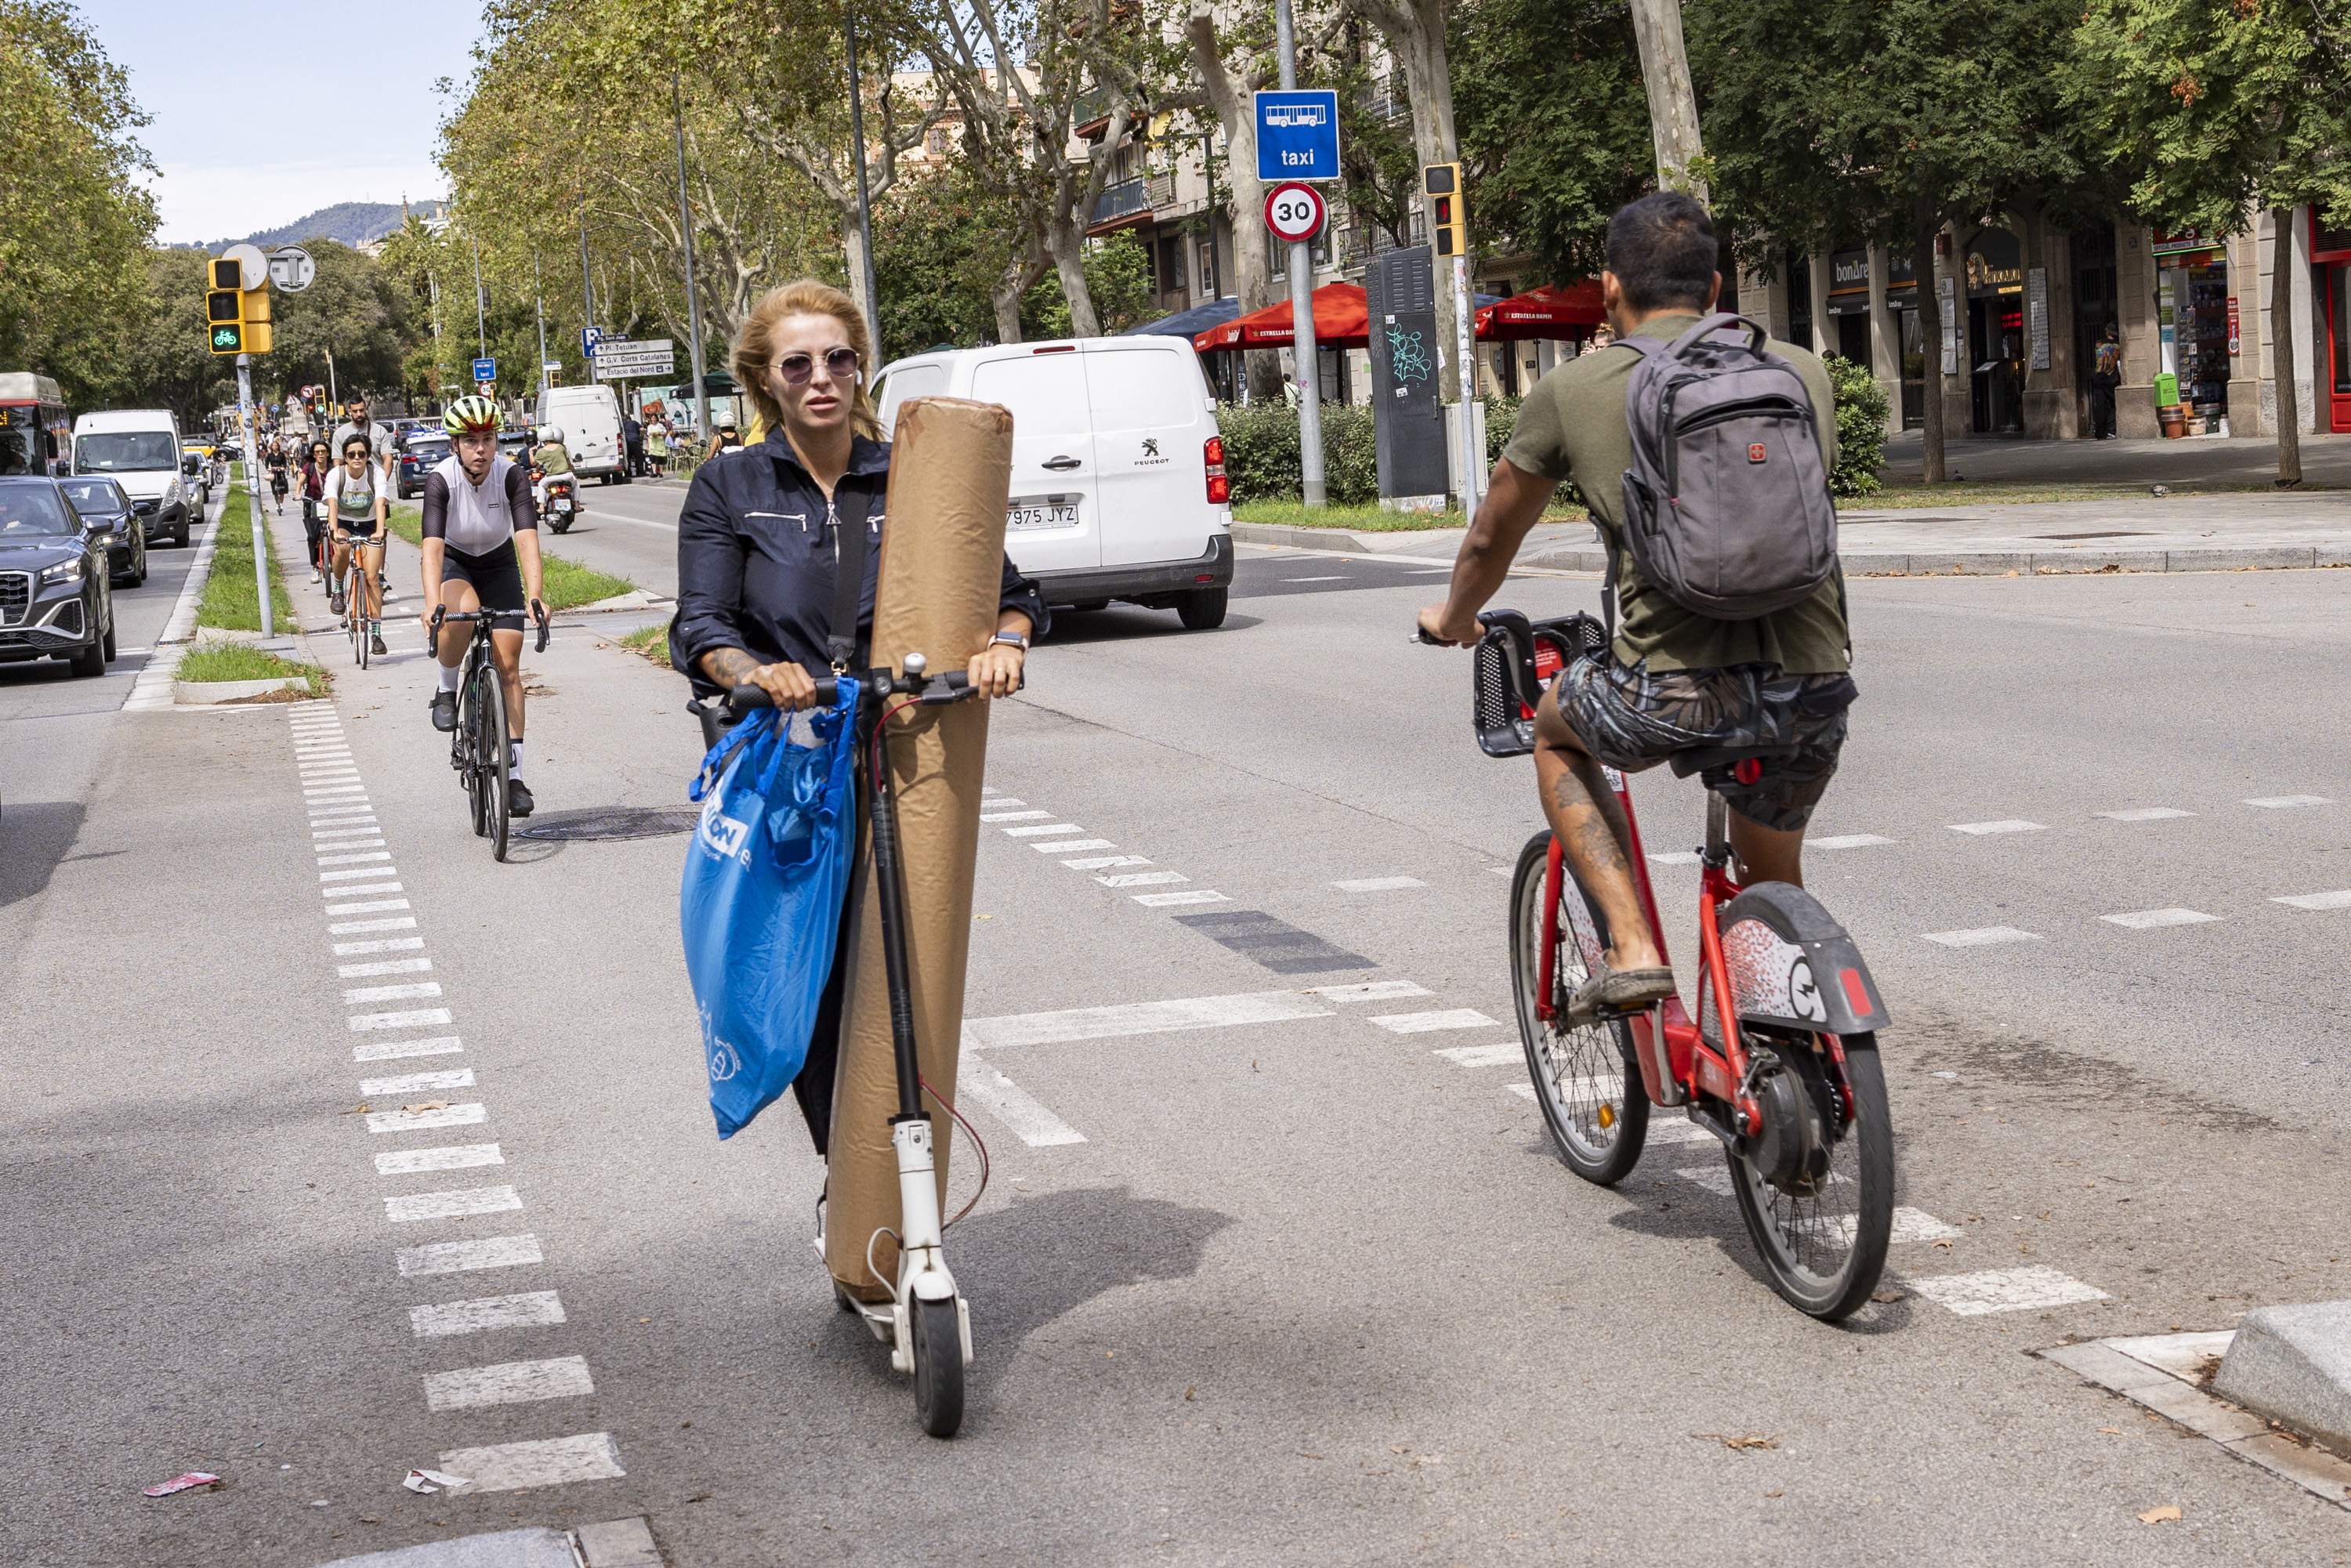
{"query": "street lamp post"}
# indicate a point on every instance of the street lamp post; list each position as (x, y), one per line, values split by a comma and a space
(481, 314)
(539, 303)
(864, 200)
(692, 299)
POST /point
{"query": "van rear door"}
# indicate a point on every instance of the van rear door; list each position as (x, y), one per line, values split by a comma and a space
(1151, 423)
(1053, 521)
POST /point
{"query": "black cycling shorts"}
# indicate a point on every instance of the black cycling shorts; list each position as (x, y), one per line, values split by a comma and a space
(1633, 718)
(496, 580)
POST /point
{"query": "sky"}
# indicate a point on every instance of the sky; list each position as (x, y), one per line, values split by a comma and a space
(232, 161)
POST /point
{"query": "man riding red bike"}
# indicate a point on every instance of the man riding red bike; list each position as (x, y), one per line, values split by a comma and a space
(1674, 680)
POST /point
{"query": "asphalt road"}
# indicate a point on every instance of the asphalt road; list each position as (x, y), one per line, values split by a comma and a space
(1303, 1289)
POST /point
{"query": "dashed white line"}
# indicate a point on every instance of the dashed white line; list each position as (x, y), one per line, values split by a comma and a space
(2003, 1290)
(510, 1383)
(2283, 802)
(394, 1049)
(1428, 1022)
(381, 906)
(1341, 578)
(1981, 936)
(1847, 841)
(1142, 878)
(1072, 846)
(379, 944)
(1378, 884)
(358, 872)
(1042, 830)
(407, 1208)
(2149, 919)
(391, 993)
(418, 1082)
(979, 1083)
(2005, 825)
(2145, 814)
(1013, 816)
(1191, 895)
(1366, 991)
(358, 839)
(1126, 1018)
(450, 1157)
(531, 1309)
(1484, 1055)
(353, 927)
(467, 1115)
(546, 1462)
(361, 889)
(463, 1257)
(387, 966)
(1670, 857)
(2341, 899)
(1103, 862)
(375, 857)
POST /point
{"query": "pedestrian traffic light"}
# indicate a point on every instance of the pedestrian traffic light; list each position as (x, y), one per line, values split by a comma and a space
(1449, 221)
(236, 319)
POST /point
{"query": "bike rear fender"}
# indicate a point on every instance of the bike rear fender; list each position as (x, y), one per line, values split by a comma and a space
(1791, 964)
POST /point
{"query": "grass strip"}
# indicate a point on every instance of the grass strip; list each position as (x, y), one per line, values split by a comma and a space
(1370, 519)
(243, 662)
(649, 642)
(232, 599)
(569, 584)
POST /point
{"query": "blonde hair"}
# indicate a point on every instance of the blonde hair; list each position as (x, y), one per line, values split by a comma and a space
(755, 349)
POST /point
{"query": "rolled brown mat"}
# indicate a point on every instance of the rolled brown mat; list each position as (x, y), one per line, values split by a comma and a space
(941, 585)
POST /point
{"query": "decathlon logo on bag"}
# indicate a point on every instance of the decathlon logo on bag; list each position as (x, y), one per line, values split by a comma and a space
(719, 833)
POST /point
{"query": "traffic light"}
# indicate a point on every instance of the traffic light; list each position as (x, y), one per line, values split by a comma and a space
(1449, 219)
(236, 319)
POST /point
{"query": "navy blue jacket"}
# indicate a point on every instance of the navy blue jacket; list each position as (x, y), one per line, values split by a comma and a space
(755, 558)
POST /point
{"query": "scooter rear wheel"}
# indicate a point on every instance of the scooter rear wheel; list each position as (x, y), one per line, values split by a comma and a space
(938, 1365)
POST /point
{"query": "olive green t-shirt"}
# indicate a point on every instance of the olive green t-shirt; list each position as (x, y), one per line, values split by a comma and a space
(1572, 426)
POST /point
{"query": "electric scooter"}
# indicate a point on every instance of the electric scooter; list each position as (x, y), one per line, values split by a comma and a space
(926, 1323)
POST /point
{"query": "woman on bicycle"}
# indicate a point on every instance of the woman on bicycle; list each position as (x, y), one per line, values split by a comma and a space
(357, 500)
(317, 463)
(756, 549)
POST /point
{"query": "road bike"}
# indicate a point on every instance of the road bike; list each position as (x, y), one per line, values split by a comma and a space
(478, 747)
(1793, 1093)
(926, 1323)
(363, 626)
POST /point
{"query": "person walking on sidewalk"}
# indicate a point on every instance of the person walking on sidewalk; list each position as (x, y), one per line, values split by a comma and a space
(657, 445)
(2105, 375)
(317, 464)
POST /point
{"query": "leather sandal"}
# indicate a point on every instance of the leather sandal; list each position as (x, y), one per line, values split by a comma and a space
(1611, 993)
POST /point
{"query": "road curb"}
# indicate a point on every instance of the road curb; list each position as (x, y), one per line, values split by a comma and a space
(1869, 562)
(2293, 1364)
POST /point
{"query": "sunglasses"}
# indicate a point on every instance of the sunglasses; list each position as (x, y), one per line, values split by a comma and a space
(841, 364)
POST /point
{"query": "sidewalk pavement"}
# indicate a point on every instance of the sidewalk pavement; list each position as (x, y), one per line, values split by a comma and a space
(2200, 459)
(2174, 533)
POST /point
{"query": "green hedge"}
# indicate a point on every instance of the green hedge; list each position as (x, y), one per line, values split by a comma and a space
(1861, 414)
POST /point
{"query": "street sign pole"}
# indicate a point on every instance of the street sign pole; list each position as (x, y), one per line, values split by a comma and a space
(864, 201)
(1301, 308)
(539, 303)
(693, 301)
(245, 414)
(481, 316)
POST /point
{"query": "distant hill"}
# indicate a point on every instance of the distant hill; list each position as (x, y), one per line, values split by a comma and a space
(349, 223)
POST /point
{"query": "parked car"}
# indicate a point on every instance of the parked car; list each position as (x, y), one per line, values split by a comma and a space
(105, 511)
(514, 443)
(1118, 473)
(56, 599)
(416, 455)
(139, 449)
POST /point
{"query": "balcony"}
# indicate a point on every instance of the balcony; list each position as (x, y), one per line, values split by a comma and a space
(1090, 116)
(1122, 206)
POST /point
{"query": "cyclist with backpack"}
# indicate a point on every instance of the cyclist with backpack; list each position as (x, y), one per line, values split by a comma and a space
(1703, 455)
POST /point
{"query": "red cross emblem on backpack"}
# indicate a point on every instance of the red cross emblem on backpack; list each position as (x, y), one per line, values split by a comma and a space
(1755, 452)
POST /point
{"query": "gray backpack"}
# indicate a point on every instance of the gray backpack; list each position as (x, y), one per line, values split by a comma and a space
(1727, 507)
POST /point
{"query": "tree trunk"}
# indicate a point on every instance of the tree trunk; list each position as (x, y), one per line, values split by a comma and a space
(1673, 103)
(1930, 335)
(1066, 243)
(1006, 297)
(1420, 47)
(1253, 282)
(2282, 357)
(853, 248)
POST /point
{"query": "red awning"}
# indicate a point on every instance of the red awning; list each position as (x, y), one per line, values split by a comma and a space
(1567, 311)
(1342, 320)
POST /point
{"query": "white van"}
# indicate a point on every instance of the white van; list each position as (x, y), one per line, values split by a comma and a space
(138, 449)
(1118, 473)
(590, 418)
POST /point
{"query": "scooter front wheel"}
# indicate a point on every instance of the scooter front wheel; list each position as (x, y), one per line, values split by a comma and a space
(938, 1365)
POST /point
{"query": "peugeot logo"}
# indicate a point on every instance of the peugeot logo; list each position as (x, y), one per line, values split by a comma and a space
(1151, 446)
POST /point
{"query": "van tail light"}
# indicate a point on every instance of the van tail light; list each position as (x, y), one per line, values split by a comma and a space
(1220, 489)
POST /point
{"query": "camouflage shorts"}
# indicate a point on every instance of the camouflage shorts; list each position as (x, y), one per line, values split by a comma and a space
(1632, 720)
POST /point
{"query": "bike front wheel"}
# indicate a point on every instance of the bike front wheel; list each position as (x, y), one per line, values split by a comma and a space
(490, 702)
(1586, 1080)
(1823, 1220)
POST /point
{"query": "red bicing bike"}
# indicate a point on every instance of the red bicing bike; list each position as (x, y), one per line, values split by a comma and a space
(1793, 1090)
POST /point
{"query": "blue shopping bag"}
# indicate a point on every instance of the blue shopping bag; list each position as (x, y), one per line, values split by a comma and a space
(760, 904)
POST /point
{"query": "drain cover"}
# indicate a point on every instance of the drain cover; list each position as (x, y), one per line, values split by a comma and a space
(2113, 534)
(612, 822)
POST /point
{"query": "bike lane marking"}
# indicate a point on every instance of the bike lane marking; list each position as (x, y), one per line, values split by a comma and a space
(2005, 825)
(2153, 919)
(1979, 937)
(346, 841)
(2340, 899)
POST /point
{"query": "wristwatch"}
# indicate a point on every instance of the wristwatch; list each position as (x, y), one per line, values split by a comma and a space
(1013, 638)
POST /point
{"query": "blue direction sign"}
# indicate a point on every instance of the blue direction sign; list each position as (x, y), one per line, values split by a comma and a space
(1298, 134)
(486, 370)
(589, 338)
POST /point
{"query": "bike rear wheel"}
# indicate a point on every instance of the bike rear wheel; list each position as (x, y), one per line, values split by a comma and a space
(1586, 1081)
(1822, 1233)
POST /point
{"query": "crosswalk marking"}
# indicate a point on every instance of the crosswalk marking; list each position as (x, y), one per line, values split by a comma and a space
(1125, 1019)
(2003, 1290)
(2283, 802)
(2149, 919)
(2340, 899)
(543, 1462)
(1497, 1055)
(529, 1309)
(1424, 1023)
(1981, 936)
(1379, 883)
(2005, 825)
(2145, 814)
(1847, 841)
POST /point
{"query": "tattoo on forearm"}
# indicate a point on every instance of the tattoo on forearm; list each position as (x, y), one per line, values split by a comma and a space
(728, 666)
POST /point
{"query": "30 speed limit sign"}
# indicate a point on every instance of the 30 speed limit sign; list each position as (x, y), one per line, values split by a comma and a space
(1295, 212)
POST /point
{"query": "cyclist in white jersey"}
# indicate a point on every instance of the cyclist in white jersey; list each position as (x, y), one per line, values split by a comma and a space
(481, 552)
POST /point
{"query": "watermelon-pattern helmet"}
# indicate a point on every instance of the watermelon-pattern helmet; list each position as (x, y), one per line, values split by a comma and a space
(469, 415)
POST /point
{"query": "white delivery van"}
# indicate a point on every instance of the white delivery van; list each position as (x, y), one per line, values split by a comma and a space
(138, 449)
(1118, 473)
(590, 418)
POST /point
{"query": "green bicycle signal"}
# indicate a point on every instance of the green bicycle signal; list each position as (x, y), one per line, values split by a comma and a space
(228, 336)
